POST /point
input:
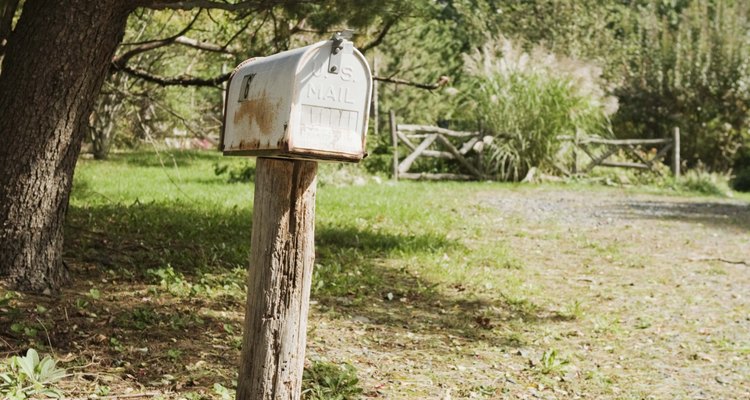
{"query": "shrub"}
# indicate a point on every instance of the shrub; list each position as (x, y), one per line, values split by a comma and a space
(236, 173)
(525, 101)
(741, 180)
(690, 70)
(703, 182)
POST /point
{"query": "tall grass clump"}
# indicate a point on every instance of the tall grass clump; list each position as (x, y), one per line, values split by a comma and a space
(523, 102)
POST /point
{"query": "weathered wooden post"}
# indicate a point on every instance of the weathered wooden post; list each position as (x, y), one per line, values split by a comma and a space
(394, 142)
(676, 152)
(291, 109)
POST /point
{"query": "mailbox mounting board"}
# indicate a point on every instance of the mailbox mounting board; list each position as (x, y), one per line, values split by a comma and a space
(307, 103)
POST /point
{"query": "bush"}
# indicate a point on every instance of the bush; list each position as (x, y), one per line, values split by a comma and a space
(525, 101)
(689, 70)
(741, 180)
(236, 173)
(700, 181)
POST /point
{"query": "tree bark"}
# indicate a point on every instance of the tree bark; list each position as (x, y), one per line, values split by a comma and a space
(55, 62)
(7, 12)
(279, 279)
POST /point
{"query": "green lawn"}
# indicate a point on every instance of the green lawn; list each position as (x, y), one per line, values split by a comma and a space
(428, 290)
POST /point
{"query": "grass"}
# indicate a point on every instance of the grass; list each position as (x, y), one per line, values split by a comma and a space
(420, 290)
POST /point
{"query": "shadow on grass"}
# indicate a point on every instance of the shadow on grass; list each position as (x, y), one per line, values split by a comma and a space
(366, 273)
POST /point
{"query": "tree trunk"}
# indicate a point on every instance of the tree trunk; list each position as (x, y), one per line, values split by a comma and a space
(55, 62)
(7, 12)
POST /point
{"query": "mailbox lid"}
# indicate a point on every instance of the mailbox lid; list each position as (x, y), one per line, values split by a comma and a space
(332, 102)
(259, 102)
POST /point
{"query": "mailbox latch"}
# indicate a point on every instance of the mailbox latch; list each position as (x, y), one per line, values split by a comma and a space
(341, 45)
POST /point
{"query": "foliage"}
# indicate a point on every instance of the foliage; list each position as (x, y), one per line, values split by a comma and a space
(526, 101)
(741, 180)
(236, 173)
(29, 377)
(703, 182)
(741, 169)
(551, 363)
(329, 381)
(690, 69)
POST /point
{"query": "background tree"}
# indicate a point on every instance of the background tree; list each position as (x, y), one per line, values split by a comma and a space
(54, 62)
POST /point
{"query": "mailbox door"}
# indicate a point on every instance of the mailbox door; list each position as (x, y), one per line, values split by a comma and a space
(258, 104)
(331, 109)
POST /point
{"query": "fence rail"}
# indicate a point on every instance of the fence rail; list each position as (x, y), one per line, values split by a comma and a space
(433, 142)
(629, 147)
(436, 142)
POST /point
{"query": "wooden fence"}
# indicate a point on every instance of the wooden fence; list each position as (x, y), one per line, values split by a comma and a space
(434, 142)
(631, 148)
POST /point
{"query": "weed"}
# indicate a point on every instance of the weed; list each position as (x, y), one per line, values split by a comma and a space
(573, 310)
(642, 323)
(222, 392)
(174, 354)
(6, 298)
(116, 344)
(551, 363)
(141, 318)
(24, 329)
(604, 325)
(29, 377)
(244, 172)
(329, 381)
(95, 294)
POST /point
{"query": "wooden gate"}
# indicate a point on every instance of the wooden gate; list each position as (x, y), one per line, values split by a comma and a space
(630, 148)
(434, 142)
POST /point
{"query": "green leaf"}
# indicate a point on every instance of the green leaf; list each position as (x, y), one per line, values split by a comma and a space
(28, 363)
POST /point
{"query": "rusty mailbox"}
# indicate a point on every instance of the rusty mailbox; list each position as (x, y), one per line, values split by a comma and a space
(307, 103)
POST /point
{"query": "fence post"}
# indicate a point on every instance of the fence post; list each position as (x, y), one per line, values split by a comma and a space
(394, 141)
(676, 152)
(574, 168)
(279, 280)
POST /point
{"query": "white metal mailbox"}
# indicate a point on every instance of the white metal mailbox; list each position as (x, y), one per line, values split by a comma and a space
(309, 103)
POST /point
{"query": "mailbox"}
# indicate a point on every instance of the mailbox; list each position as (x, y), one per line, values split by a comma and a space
(307, 103)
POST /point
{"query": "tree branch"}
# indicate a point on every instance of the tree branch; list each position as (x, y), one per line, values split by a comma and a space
(182, 80)
(428, 86)
(215, 5)
(173, 37)
(197, 44)
(142, 47)
(381, 36)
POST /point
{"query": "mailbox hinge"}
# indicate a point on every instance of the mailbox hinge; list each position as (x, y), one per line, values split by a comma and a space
(341, 45)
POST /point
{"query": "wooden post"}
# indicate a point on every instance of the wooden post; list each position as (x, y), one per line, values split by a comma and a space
(676, 152)
(279, 279)
(574, 168)
(394, 141)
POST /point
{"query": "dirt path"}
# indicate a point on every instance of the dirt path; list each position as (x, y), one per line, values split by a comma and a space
(672, 272)
(617, 296)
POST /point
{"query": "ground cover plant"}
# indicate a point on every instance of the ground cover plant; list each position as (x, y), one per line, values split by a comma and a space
(421, 290)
